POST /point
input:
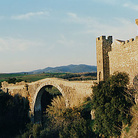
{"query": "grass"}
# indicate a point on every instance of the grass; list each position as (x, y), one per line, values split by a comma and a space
(27, 77)
(36, 77)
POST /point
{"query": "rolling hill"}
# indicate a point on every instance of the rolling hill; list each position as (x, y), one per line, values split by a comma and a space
(63, 69)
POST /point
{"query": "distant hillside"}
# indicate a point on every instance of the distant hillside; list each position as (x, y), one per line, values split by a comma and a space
(63, 69)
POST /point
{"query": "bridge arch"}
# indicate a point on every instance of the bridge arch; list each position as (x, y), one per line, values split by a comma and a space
(37, 111)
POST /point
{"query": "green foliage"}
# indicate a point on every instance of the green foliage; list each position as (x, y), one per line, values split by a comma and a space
(70, 75)
(14, 80)
(53, 91)
(69, 122)
(63, 122)
(73, 126)
(13, 114)
(36, 130)
(49, 133)
(55, 111)
(17, 77)
(28, 131)
(79, 76)
(112, 103)
(10, 75)
(127, 129)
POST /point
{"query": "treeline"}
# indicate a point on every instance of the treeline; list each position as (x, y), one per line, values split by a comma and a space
(80, 76)
(72, 76)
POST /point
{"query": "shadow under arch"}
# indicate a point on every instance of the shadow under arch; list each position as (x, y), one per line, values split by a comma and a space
(43, 97)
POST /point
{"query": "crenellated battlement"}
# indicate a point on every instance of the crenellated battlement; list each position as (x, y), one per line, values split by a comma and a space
(132, 39)
(129, 41)
(117, 56)
(109, 38)
(120, 44)
(124, 57)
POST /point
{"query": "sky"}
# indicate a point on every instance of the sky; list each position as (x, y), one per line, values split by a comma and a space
(35, 34)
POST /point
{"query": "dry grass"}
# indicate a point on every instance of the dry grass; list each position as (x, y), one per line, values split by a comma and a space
(56, 109)
(133, 130)
(133, 133)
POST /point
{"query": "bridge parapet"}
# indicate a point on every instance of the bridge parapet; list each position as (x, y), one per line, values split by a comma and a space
(74, 92)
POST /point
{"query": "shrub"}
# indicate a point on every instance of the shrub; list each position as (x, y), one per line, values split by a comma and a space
(112, 103)
(36, 130)
(69, 122)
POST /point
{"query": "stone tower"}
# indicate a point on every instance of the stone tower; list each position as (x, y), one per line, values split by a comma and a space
(103, 46)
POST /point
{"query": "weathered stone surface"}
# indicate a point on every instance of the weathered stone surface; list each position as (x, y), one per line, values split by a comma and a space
(103, 46)
(124, 58)
(121, 56)
(74, 92)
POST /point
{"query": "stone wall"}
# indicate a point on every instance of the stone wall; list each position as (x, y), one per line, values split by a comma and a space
(74, 92)
(103, 46)
(13, 89)
(124, 57)
(119, 56)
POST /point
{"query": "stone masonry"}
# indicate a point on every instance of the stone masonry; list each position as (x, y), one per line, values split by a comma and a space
(103, 46)
(119, 56)
(124, 57)
(73, 92)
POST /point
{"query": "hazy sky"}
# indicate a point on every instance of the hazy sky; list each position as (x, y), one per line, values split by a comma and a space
(35, 34)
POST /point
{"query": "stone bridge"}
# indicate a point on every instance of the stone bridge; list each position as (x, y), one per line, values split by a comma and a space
(73, 92)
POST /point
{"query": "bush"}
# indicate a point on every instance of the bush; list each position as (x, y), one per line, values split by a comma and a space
(36, 130)
(69, 122)
(112, 103)
(14, 80)
(49, 133)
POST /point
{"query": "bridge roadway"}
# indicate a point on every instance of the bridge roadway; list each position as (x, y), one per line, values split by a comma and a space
(73, 92)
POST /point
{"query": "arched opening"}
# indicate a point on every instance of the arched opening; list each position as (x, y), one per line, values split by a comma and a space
(43, 99)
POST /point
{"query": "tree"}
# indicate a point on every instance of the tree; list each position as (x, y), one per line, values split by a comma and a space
(14, 112)
(14, 80)
(112, 103)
